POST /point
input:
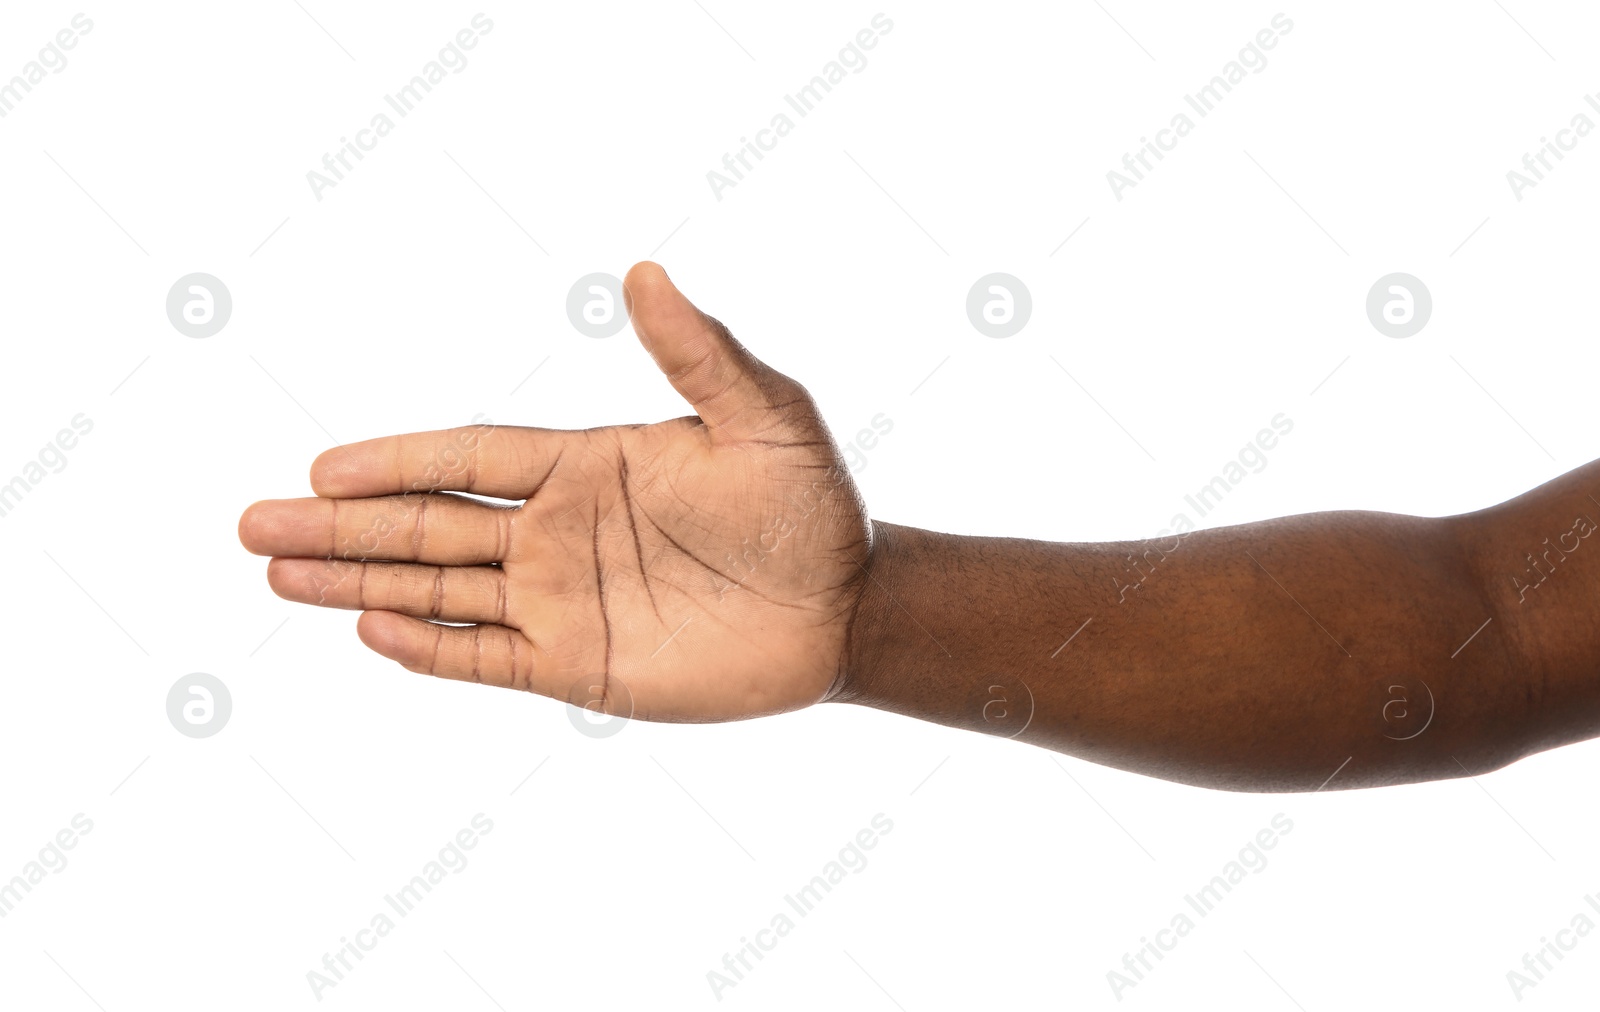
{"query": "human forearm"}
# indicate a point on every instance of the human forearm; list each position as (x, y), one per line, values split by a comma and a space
(1258, 657)
(1540, 573)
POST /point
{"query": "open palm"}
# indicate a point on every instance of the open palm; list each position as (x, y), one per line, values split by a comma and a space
(703, 568)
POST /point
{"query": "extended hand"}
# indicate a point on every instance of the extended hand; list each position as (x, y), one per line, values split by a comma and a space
(699, 569)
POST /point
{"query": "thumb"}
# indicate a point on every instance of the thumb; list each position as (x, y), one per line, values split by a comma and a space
(732, 391)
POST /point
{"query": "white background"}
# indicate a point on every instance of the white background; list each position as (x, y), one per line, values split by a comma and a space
(1227, 287)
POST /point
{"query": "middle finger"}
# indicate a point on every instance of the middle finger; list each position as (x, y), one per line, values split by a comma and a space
(433, 527)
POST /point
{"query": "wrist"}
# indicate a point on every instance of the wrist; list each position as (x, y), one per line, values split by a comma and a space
(866, 639)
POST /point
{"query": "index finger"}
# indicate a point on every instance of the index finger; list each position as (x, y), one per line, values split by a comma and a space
(507, 463)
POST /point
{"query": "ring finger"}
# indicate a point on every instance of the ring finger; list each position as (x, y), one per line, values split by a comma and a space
(444, 593)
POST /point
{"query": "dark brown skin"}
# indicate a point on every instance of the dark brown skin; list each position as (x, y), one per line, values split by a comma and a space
(723, 566)
(1252, 658)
